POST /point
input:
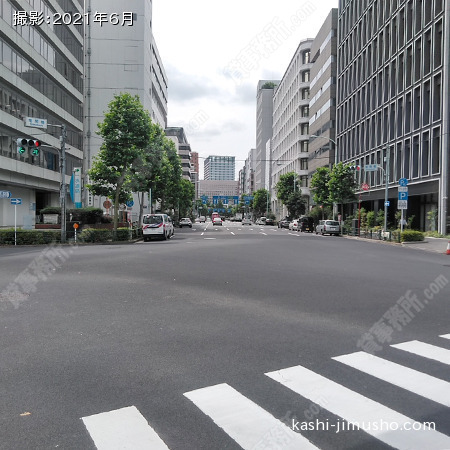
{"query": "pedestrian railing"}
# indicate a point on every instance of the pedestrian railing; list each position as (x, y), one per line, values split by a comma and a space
(381, 235)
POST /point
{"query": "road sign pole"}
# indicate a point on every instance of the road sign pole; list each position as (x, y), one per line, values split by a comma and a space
(15, 224)
(386, 194)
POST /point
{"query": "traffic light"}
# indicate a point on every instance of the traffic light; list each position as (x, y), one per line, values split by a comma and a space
(22, 144)
(34, 146)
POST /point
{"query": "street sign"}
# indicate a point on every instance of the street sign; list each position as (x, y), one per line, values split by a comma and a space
(402, 204)
(5, 194)
(371, 167)
(403, 195)
(16, 201)
(403, 181)
(365, 187)
(130, 203)
(403, 189)
(388, 203)
(107, 204)
(35, 122)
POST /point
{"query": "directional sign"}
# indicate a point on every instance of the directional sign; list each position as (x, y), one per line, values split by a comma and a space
(402, 204)
(5, 194)
(371, 167)
(16, 201)
(388, 203)
(403, 181)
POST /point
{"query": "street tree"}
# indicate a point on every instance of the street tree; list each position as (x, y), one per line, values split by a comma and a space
(185, 198)
(285, 186)
(320, 187)
(126, 132)
(260, 202)
(342, 185)
(296, 204)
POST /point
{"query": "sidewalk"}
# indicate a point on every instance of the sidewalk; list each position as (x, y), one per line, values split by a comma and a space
(430, 244)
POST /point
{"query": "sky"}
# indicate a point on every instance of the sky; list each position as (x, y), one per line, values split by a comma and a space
(214, 53)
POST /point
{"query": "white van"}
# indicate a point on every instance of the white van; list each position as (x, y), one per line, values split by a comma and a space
(157, 226)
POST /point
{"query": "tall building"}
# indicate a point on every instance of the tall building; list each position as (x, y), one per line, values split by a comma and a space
(41, 76)
(264, 121)
(121, 57)
(322, 101)
(183, 147)
(291, 124)
(219, 168)
(393, 101)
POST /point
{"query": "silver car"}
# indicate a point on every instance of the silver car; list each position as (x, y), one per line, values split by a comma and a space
(157, 226)
(328, 227)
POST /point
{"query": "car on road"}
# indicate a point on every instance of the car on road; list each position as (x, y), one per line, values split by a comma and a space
(217, 221)
(284, 223)
(246, 221)
(328, 227)
(185, 222)
(157, 226)
(269, 222)
(293, 225)
(261, 221)
(307, 224)
(202, 219)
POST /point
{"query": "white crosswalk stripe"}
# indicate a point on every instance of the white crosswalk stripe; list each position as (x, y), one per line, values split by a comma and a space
(426, 350)
(404, 377)
(355, 408)
(247, 423)
(122, 429)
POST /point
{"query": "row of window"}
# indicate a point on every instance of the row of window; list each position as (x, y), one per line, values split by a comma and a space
(412, 158)
(415, 109)
(17, 64)
(416, 61)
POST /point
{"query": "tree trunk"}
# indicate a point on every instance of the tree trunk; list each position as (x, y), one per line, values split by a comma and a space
(141, 207)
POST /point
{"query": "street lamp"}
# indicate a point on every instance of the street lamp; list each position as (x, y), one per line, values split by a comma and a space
(335, 163)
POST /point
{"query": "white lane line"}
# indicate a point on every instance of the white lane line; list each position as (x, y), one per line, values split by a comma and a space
(246, 422)
(355, 408)
(265, 234)
(445, 336)
(209, 238)
(232, 233)
(412, 380)
(202, 233)
(124, 428)
(426, 350)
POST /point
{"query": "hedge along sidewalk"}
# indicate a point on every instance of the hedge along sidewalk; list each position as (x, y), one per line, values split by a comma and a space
(45, 237)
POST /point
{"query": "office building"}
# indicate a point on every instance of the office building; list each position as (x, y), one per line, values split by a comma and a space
(219, 168)
(178, 136)
(41, 77)
(289, 151)
(393, 102)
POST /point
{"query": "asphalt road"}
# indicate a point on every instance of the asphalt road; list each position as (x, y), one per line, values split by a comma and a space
(185, 343)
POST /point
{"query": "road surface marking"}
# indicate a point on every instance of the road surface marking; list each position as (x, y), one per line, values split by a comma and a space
(417, 382)
(445, 336)
(208, 238)
(232, 233)
(123, 429)
(426, 350)
(265, 234)
(202, 233)
(246, 422)
(355, 408)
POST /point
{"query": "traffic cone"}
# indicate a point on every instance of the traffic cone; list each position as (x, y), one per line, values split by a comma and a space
(448, 248)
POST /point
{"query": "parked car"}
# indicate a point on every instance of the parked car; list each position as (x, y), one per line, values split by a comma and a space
(328, 227)
(217, 221)
(157, 226)
(202, 219)
(306, 224)
(246, 221)
(185, 222)
(269, 222)
(284, 223)
(293, 225)
(261, 221)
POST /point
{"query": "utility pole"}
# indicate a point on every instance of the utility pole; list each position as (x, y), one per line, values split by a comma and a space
(386, 193)
(63, 183)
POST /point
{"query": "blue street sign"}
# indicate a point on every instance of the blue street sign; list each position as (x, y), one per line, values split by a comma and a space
(387, 203)
(5, 194)
(403, 181)
(403, 195)
(130, 203)
(16, 201)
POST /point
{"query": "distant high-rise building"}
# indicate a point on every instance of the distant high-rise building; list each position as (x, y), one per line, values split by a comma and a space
(264, 121)
(178, 136)
(219, 168)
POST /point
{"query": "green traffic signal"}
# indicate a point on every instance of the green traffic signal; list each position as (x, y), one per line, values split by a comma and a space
(21, 145)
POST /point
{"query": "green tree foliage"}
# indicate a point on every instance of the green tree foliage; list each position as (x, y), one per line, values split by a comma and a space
(186, 197)
(285, 186)
(296, 204)
(320, 187)
(260, 202)
(126, 132)
(342, 185)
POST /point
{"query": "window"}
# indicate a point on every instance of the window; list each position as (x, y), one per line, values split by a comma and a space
(426, 154)
(305, 76)
(435, 155)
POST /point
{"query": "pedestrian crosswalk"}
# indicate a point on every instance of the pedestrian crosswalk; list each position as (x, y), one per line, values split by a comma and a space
(252, 427)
